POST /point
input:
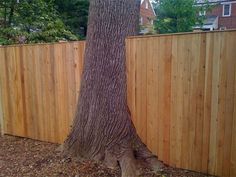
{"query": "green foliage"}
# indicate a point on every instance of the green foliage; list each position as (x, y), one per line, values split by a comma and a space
(177, 16)
(74, 14)
(31, 21)
(10, 35)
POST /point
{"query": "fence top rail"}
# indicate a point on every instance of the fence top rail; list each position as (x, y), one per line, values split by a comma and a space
(184, 33)
(34, 44)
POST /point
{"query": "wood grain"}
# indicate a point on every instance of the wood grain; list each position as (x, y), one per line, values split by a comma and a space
(2, 56)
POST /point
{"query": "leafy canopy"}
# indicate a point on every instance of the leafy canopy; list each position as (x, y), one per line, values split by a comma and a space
(74, 13)
(177, 15)
(31, 21)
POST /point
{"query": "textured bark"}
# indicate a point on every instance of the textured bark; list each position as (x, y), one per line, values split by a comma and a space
(102, 129)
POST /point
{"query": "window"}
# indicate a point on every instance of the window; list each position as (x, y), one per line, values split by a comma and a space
(222, 28)
(202, 13)
(141, 20)
(146, 5)
(226, 10)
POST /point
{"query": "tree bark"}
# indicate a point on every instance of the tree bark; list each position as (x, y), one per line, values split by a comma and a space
(5, 14)
(12, 8)
(102, 129)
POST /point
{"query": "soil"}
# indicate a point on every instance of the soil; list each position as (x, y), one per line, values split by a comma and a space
(22, 157)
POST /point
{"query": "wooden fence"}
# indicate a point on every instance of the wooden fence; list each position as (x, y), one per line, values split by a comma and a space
(181, 93)
(40, 84)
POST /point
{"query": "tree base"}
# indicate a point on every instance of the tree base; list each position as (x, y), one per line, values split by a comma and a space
(131, 157)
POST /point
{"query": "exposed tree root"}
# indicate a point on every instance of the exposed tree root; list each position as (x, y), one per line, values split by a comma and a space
(131, 156)
(128, 165)
(150, 160)
(110, 160)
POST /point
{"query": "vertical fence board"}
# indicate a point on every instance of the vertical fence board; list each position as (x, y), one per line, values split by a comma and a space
(214, 102)
(2, 91)
(207, 102)
(173, 120)
(152, 93)
(186, 94)
(233, 143)
(141, 90)
(230, 56)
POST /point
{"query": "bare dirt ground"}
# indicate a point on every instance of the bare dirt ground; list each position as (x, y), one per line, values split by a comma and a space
(21, 157)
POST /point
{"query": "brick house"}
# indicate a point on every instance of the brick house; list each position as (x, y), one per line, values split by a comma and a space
(222, 15)
(147, 16)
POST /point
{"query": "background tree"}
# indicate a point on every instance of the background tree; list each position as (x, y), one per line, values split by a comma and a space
(177, 15)
(102, 129)
(31, 21)
(6, 12)
(74, 14)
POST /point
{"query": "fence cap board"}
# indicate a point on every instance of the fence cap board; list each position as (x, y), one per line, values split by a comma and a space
(37, 44)
(184, 33)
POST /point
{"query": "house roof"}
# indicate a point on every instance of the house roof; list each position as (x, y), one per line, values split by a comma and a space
(151, 6)
(212, 1)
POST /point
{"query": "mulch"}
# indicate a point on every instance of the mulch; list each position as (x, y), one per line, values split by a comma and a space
(22, 157)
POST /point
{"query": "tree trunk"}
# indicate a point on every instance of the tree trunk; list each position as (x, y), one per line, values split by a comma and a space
(5, 14)
(102, 129)
(12, 8)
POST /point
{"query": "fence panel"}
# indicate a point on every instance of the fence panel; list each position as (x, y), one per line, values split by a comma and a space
(181, 91)
(40, 85)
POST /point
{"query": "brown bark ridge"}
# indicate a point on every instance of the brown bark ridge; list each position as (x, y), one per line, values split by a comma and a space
(102, 129)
